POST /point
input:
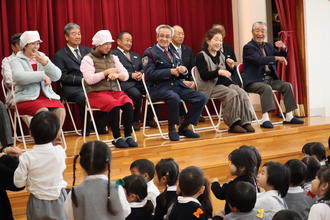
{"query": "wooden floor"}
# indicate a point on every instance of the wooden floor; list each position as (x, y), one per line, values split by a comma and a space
(208, 152)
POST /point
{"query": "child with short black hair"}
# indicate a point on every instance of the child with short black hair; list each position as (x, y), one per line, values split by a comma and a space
(296, 198)
(256, 152)
(242, 197)
(274, 178)
(243, 164)
(146, 169)
(286, 215)
(167, 171)
(41, 170)
(321, 188)
(136, 194)
(191, 186)
(97, 197)
(313, 166)
(316, 150)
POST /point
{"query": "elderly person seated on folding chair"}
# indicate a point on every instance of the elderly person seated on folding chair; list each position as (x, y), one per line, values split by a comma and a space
(164, 73)
(216, 80)
(101, 70)
(33, 73)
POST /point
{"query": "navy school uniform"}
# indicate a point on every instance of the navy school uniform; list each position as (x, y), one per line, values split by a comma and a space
(165, 87)
(187, 208)
(164, 201)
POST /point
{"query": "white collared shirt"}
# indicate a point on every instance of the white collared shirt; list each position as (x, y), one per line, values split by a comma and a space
(139, 204)
(123, 51)
(296, 189)
(171, 188)
(153, 192)
(41, 171)
(270, 201)
(182, 199)
(74, 52)
(121, 194)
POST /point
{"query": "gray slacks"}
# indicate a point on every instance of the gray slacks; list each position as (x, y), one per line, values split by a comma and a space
(266, 96)
(235, 104)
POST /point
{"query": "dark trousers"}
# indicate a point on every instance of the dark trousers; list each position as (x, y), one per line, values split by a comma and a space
(6, 138)
(7, 169)
(266, 94)
(101, 118)
(127, 118)
(173, 95)
(135, 93)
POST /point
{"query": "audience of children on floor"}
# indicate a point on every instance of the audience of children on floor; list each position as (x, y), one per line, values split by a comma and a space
(295, 190)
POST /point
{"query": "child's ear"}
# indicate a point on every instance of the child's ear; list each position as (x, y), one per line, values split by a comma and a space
(324, 187)
(163, 181)
(146, 177)
(201, 190)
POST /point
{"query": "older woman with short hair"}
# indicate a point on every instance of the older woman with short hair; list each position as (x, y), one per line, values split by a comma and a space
(33, 73)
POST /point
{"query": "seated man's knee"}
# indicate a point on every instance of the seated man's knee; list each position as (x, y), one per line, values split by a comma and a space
(173, 98)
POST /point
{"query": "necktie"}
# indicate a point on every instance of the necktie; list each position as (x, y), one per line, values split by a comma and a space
(127, 55)
(179, 50)
(77, 54)
(167, 54)
(262, 48)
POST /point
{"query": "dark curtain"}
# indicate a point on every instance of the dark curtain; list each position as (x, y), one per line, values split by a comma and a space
(140, 17)
(292, 72)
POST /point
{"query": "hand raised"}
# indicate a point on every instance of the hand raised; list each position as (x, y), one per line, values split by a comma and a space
(47, 80)
(40, 58)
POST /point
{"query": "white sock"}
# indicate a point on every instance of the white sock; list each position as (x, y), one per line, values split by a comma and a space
(265, 117)
(289, 116)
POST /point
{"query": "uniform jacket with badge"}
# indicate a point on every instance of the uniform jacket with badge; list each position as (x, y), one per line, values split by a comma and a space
(254, 62)
(187, 57)
(157, 67)
(133, 65)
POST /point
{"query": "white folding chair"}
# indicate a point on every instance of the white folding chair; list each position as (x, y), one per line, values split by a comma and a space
(89, 109)
(218, 112)
(240, 71)
(149, 102)
(17, 118)
(67, 104)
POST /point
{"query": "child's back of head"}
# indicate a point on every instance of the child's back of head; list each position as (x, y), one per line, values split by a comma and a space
(255, 151)
(242, 196)
(191, 180)
(313, 166)
(286, 215)
(136, 192)
(143, 167)
(44, 127)
(167, 172)
(245, 161)
(315, 149)
(95, 158)
(297, 172)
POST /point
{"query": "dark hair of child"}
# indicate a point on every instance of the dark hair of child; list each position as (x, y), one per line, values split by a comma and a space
(144, 166)
(256, 152)
(278, 177)
(191, 179)
(135, 184)
(315, 149)
(324, 176)
(286, 215)
(205, 200)
(242, 195)
(298, 171)
(245, 161)
(95, 158)
(44, 127)
(168, 168)
(313, 166)
(15, 39)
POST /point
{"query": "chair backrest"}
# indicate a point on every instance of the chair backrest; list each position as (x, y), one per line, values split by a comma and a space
(193, 73)
(145, 86)
(3, 88)
(240, 71)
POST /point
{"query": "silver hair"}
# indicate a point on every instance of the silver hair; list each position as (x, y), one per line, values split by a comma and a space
(259, 23)
(70, 26)
(165, 26)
